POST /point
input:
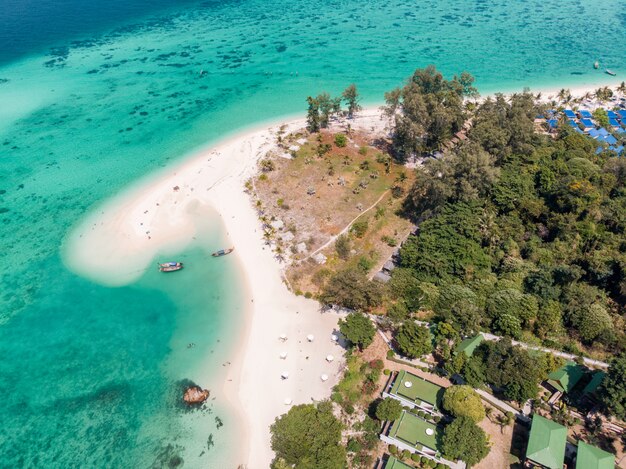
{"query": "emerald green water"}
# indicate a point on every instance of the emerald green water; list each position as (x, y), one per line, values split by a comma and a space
(88, 372)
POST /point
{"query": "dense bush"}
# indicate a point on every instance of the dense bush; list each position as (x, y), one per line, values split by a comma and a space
(351, 289)
(519, 233)
(413, 340)
(463, 401)
(463, 439)
(309, 436)
(357, 329)
(388, 409)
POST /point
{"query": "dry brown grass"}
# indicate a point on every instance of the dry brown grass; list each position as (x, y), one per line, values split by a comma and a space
(346, 182)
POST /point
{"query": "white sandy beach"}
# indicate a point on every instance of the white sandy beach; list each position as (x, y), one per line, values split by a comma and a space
(157, 215)
(152, 217)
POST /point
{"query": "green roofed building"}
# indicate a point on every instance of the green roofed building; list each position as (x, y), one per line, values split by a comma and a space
(393, 463)
(413, 391)
(565, 378)
(590, 457)
(413, 433)
(468, 345)
(546, 444)
(596, 380)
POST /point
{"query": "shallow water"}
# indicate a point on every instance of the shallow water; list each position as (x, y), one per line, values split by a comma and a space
(119, 91)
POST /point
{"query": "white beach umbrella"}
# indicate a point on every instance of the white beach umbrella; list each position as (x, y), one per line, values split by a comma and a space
(310, 337)
(283, 337)
(329, 358)
(283, 355)
(284, 375)
(334, 338)
(324, 377)
(288, 401)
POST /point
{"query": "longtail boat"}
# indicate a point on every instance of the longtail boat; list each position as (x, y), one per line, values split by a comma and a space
(222, 252)
(170, 266)
(610, 72)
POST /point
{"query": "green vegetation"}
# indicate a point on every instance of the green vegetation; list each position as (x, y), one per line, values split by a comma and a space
(510, 368)
(308, 436)
(463, 401)
(357, 329)
(343, 247)
(413, 341)
(351, 288)
(359, 228)
(427, 111)
(465, 440)
(352, 98)
(341, 140)
(388, 409)
(613, 389)
(522, 234)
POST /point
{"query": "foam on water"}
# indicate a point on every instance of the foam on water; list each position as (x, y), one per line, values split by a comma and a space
(83, 121)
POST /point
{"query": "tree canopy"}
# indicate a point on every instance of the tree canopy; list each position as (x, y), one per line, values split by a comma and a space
(351, 289)
(463, 439)
(427, 111)
(413, 340)
(358, 329)
(388, 409)
(519, 233)
(308, 437)
(612, 392)
(508, 367)
(463, 401)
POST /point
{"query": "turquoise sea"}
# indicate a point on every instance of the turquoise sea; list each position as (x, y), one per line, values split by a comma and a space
(94, 95)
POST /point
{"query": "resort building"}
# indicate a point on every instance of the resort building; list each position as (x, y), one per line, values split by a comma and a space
(414, 392)
(546, 444)
(470, 344)
(565, 378)
(591, 457)
(414, 434)
(392, 463)
(596, 380)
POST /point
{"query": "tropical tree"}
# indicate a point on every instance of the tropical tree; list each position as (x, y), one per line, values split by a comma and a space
(464, 440)
(308, 436)
(351, 289)
(342, 246)
(388, 409)
(463, 401)
(413, 340)
(313, 115)
(427, 111)
(352, 98)
(612, 392)
(357, 329)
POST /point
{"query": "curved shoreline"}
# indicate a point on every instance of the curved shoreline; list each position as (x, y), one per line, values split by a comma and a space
(153, 217)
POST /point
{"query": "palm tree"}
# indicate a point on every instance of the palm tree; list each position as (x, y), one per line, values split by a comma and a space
(565, 95)
(604, 93)
(622, 87)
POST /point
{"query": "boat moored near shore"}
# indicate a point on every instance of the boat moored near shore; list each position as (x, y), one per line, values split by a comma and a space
(170, 266)
(223, 252)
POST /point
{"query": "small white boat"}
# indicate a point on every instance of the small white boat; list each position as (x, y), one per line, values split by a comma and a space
(170, 266)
